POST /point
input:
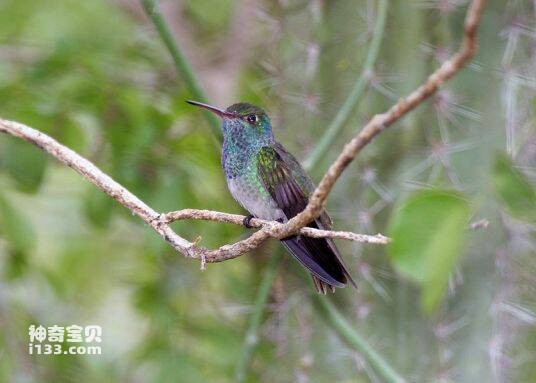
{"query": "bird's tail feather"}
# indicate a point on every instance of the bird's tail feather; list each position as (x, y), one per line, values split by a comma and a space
(321, 286)
(320, 258)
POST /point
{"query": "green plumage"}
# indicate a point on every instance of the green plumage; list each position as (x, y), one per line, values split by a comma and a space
(271, 184)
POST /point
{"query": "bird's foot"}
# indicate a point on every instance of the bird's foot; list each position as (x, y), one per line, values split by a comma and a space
(247, 221)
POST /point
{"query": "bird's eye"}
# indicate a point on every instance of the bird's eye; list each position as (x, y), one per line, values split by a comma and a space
(252, 118)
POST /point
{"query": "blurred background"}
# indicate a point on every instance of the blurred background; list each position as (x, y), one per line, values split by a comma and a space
(96, 76)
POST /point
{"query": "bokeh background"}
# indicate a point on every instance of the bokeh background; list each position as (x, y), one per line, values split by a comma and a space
(96, 76)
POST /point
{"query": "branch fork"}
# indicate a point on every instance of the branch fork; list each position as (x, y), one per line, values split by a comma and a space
(267, 229)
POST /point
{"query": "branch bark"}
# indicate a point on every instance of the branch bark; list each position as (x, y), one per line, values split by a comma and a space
(210, 215)
(160, 222)
(380, 122)
(375, 126)
(97, 177)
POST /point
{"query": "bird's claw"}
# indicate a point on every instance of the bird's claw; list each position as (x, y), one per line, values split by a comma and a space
(247, 221)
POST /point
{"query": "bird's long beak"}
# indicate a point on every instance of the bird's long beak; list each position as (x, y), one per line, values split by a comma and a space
(220, 112)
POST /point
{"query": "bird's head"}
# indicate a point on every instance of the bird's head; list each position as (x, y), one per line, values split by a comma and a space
(242, 119)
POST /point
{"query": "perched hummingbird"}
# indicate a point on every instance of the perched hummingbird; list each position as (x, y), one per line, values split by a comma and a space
(271, 184)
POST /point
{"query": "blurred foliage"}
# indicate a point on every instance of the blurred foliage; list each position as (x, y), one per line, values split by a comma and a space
(428, 232)
(25, 165)
(20, 236)
(95, 76)
(14, 228)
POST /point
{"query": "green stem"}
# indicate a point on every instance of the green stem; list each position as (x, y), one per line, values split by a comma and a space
(181, 62)
(194, 87)
(255, 320)
(334, 317)
(352, 337)
(344, 113)
(324, 144)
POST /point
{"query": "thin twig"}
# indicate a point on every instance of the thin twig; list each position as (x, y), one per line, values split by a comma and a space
(100, 179)
(318, 199)
(380, 122)
(216, 216)
(375, 126)
(316, 204)
(160, 222)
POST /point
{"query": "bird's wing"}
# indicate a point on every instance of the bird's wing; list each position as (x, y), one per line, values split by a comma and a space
(278, 179)
(303, 179)
(323, 221)
(290, 186)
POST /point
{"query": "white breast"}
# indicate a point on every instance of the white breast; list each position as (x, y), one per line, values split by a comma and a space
(247, 195)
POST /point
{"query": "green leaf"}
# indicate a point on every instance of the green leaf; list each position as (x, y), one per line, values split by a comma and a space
(14, 228)
(513, 189)
(428, 232)
(25, 163)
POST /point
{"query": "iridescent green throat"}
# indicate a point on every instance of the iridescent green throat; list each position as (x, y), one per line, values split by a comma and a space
(243, 137)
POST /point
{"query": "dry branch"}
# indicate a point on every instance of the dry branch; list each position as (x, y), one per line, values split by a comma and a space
(97, 177)
(374, 127)
(209, 215)
(382, 121)
(160, 222)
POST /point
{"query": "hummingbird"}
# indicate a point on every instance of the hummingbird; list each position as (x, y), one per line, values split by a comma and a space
(269, 182)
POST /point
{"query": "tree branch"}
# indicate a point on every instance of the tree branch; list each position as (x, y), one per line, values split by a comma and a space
(160, 222)
(97, 177)
(210, 215)
(375, 126)
(466, 51)
(380, 122)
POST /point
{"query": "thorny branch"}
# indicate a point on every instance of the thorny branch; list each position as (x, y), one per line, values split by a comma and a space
(160, 222)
